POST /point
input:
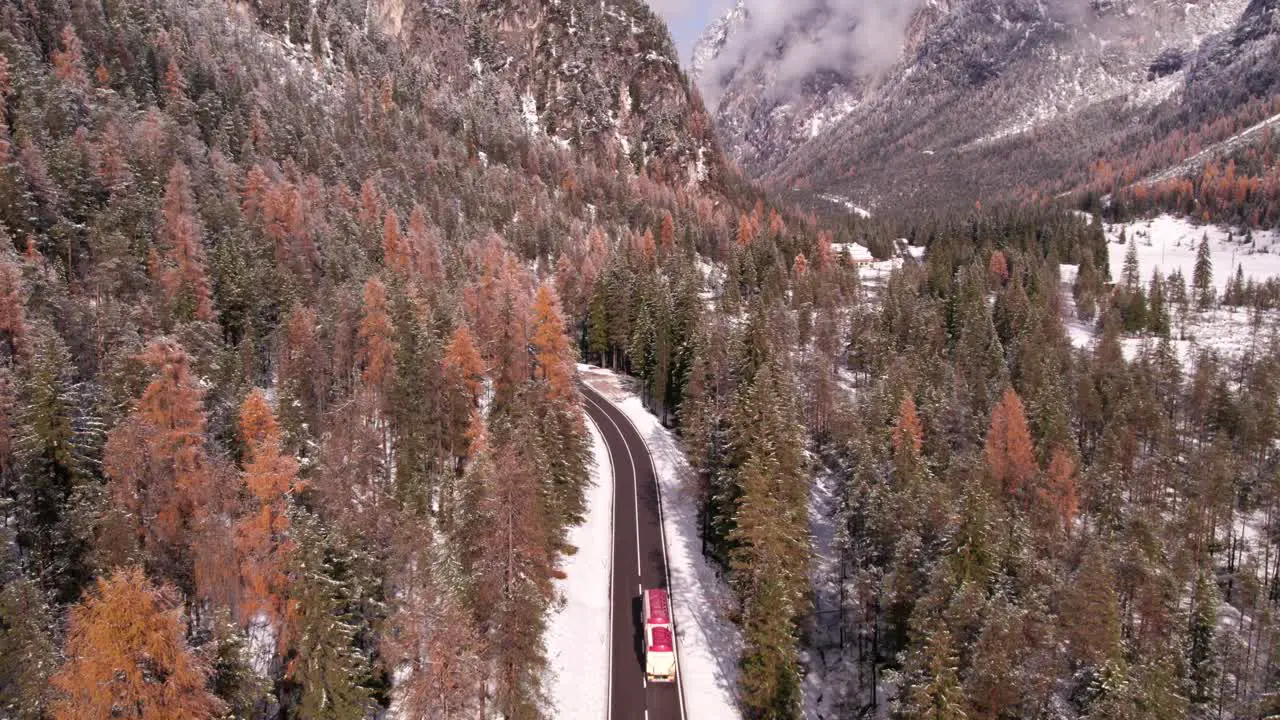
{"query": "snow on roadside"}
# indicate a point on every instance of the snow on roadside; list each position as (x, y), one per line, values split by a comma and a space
(578, 636)
(708, 644)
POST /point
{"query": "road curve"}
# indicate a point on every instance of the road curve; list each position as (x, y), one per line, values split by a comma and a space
(639, 560)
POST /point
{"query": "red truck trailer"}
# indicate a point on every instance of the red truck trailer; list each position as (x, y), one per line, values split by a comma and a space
(659, 637)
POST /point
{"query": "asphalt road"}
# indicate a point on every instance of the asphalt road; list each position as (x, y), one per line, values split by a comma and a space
(639, 560)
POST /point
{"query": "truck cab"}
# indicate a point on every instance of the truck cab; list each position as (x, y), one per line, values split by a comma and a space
(659, 637)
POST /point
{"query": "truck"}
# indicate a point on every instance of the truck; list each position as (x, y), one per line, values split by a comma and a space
(659, 636)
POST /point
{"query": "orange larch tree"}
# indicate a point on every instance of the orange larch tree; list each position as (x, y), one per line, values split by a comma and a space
(1010, 455)
(253, 197)
(667, 234)
(463, 366)
(908, 439)
(127, 657)
(68, 63)
(377, 341)
(463, 374)
(395, 252)
(999, 267)
(281, 219)
(1060, 493)
(497, 306)
(552, 351)
(182, 274)
(13, 321)
(156, 458)
(262, 532)
(908, 434)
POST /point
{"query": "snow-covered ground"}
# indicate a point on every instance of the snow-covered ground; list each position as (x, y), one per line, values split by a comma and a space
(847, 204)
(857, 253)
(1168, 242)
(707, 643)
(578, 637)
(1228, 331)
(822, 659)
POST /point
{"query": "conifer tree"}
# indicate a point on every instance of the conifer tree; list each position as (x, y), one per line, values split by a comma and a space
(1086, 289)
(598, 326)
(57, 441)
(417, 406)
(768, 541)
(1237, 287)
(424, 248)
(28, 657)
(1157, 310)
(1203, 663)
(1091, 613)
(935, 692)
(1202, 276)
(326, 668)
(1131, 277)
(127, 656)
(979, 356)
(996, 683)
(300, 378)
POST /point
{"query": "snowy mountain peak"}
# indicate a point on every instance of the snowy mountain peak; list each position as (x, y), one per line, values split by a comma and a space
(712, 41)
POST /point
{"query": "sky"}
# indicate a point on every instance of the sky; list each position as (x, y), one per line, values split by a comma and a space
(687, 18)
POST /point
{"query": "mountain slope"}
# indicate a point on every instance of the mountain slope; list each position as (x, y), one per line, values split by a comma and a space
(983, 95)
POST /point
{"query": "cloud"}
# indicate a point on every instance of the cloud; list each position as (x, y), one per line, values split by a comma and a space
(800, 38)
